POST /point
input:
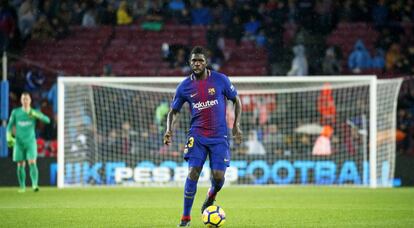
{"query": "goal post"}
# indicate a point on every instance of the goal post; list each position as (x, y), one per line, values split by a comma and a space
(336, 130)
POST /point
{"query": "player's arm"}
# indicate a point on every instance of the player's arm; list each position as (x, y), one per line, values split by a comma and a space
(39, 115)
(231, 93)
(12, 122)
(172, 116)
(171, 120)
(237, 133)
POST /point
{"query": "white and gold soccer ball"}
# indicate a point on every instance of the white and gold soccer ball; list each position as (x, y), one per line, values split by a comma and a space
(214, 216)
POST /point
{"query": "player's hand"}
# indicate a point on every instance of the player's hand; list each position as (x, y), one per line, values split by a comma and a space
(237, 135)
(167, 137)
(33, 114)
(11, 141)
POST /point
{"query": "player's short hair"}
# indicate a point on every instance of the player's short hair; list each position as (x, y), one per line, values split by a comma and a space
(199, 50)
(25, 93)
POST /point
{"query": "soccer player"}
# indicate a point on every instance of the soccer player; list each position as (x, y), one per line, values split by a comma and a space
(24, 145)
(207, 93)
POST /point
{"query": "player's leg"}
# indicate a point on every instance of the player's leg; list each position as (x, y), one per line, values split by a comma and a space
(34, 172)
(196, 155)
(21, 175)
(34, 175)
(219, 161)
(190, 190)
(19, 157)
(217, 182)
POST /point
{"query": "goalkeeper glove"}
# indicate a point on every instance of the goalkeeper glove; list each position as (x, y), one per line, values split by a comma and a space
(11, 141)
(34, 114)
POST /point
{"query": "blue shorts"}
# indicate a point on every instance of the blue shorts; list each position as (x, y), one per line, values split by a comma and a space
(198, 147)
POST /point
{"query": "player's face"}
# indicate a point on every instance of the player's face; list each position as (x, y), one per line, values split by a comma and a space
(198, 63)
(26, 100)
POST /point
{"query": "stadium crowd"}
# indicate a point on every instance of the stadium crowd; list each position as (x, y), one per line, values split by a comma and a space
(292, 32)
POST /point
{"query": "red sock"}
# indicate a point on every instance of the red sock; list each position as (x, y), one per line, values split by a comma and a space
(211, 194)
(186, 218)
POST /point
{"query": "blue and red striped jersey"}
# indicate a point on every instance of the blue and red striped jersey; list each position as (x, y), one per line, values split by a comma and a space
(207, 100)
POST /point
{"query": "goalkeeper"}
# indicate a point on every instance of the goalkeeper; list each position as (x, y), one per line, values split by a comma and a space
(24, 145)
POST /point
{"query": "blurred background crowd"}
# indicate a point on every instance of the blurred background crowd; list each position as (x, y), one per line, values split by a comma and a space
(50, 38)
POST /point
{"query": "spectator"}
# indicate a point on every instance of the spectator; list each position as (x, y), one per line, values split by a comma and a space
(176, 7)
(274, 43)
(253, 145)
(324, 10)
(52, 97)
(228, 12)
(61, 29)
(48, 131)
(235, 30)
(64, 12)
(273, 140)
(180, 60)
(392, 57)
(154, 20)
(251, 28)
(123, 16)
(322, 145)
(140, 9)
(359, 59)
(128, 138)
(216, 58)
(346, 14)
(292, 11)
(78, 9)
(212, 35)
(380, 13)
(161, 115)
(330, 64)
(112, 144)
(107, 71)
(89, 18)
(108, 15)
(79, 146)
(7, 24)
(26, 15)
(184, 17)
(42, 30)
(261, 38)
(378, 60)
(200, 14)
(326, 105)
(299, 63)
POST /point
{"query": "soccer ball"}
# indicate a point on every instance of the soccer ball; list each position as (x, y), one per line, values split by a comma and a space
(214, 216)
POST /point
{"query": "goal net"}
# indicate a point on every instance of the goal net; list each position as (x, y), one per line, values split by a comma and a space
(303, 130)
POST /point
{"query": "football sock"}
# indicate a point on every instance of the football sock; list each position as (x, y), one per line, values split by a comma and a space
(185, 218)
(34, 174)
(21, 176)
(215, 187)
(190, 190)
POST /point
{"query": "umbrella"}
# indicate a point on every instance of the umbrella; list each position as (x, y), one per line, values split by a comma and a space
(310, 129)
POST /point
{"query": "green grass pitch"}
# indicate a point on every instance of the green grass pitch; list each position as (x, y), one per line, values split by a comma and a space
(294, 206)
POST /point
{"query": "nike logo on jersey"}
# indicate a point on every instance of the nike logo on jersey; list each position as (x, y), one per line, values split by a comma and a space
(226, 160)
(193, 95)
